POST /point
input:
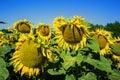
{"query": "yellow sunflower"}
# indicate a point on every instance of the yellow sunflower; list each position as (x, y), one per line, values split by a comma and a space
(1, 35)
(116, 54)
(116, 57)
(103, 37)
(44, 31)
(23, 26)
(72, 33)
(28, 57)
(10, 29)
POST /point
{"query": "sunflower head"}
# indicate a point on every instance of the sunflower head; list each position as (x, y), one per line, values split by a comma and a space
(28, 57)
(103, 37)
(44, 31)
(117, 58)
(116, 43)
(1, 34)
(23, 26)
(116, 54)
(72, 34)
(10, 29)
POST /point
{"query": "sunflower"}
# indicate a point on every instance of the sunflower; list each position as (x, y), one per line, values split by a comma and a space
(23, 26)
(44, 31)
(1, 35)
(72, 33)
(117, 58)
(28, 57)
(116, 54)
(103, 37)
(10, 29)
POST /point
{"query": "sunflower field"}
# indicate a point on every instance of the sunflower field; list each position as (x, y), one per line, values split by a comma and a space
(70, 50)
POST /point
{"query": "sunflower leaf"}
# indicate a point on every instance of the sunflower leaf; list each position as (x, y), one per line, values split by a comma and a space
(102, 64)
(70, 61)
(70, 77)
(93, 44)
(4, 73)
(2, 63)
(5, 49)
(88, 76)
(115, 75)
(56, 72)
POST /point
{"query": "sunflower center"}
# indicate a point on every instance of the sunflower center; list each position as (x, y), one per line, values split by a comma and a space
(44, 30)
(72, 35)
(24, 28)
(31, 56)
(101, 40)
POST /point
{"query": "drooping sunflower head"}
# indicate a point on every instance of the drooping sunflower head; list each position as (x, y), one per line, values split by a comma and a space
(23, 26)
(117, 58)
(116, 43)
(72, 33)
(116, 53)
(44, 31)
(28, 57)
(103, 37)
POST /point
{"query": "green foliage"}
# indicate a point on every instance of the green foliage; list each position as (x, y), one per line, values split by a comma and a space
(115, 75)
(69, 61)
(3, 70)
(56, 72)
(102, 64)
(93, 44)
(83, 64)
(114, 28)
(5, 49)
(88, 76)
(69, 77)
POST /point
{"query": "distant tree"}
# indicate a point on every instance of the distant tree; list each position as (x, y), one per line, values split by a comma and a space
(96, 26)
(1, 22)
(114, 28)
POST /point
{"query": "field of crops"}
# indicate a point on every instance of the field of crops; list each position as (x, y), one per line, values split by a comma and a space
(71, 50)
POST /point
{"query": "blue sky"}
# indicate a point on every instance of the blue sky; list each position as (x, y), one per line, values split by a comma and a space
(36, 11)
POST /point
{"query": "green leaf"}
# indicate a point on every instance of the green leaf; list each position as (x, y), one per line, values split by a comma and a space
(93, 44)
(115, 75)
(12, 46)
(56, 72)
(115, 50)
(89, 76)
(4, 73)
(2, 78)
(2, 63)
(70, 60)
(70, 77)
(5, 49)
(102, 64)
